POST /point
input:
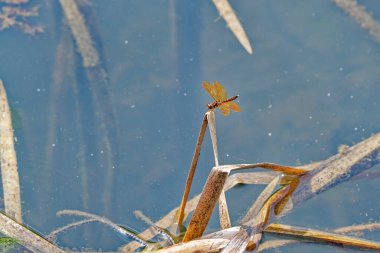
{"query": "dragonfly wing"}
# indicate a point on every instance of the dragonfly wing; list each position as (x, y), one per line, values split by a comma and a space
(210, 90)
(233, 106)
(224, 109)
(220, 92)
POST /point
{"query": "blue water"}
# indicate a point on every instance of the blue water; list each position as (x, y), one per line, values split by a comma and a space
(311, 84)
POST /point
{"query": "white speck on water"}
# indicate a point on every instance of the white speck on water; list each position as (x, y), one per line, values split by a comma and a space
(125, 41)
(310, 117)
(53, 145)
(328, 94)
(101, 151)
(185, 94)
(270, 106)
(220, 50)
(91, 154)
(38, 89)
(133, 106)
(352, 96)
(316, 141)
(227, 155)
(269, 134)
(341, 69)
(363, 129)
(355, 129)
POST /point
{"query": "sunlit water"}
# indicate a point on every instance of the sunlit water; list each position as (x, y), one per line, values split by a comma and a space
(311, 84)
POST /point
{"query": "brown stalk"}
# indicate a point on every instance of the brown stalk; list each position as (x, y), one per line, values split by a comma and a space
(190, 176)
(210, 195)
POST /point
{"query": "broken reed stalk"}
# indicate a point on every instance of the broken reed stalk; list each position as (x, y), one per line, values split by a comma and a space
(210, 195)
(190, 176)
(214, 187)
(8, 160)
(225, 10)
(26, 237)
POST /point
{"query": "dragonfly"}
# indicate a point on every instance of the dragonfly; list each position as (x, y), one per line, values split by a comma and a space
(219, 94)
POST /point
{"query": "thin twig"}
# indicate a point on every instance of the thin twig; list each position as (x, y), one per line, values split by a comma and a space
(193, 166)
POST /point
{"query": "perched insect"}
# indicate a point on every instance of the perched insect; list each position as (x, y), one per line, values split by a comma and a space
(219, 94)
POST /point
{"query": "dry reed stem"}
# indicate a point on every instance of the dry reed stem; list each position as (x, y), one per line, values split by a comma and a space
(209, 196)
(80, 33)
(343, 230)
(224, 217)
(8, 160)
(225, 10)
(363, 18)
(26, 237)
(317, 235)
(212, 127)
(339, 168)
(193, 166)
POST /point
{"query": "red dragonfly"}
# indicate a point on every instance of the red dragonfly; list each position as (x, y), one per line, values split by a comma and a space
(219, 94)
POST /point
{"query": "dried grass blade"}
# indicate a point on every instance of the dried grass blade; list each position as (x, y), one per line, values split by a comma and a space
(225, 10)
(8, 160)
(224, 217)
(214, 140)
(317, 235)
(339, 168)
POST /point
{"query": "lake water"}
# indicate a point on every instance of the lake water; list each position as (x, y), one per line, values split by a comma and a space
(120, 137)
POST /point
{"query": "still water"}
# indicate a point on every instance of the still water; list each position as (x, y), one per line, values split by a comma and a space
(120, 137)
